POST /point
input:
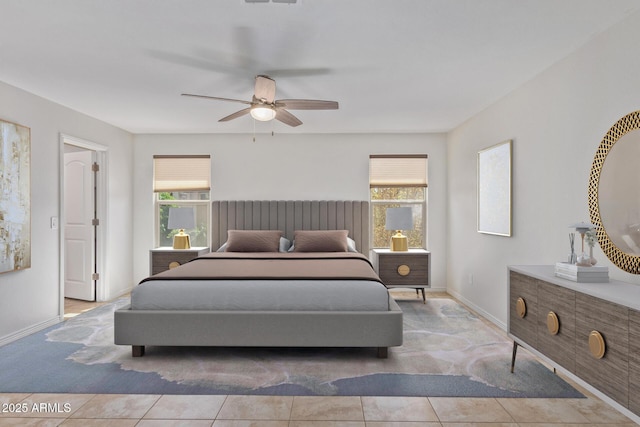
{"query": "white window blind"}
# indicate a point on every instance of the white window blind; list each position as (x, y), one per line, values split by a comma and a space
(398, 170)
(181, 173)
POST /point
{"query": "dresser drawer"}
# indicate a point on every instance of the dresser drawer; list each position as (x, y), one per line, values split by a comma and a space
(556, 307)
(609, 374)
(634, 361)
(523, 316)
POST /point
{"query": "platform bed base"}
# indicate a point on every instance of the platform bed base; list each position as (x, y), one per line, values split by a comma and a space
(140, 328)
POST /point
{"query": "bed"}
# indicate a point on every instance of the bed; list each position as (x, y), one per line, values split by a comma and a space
(259, 292)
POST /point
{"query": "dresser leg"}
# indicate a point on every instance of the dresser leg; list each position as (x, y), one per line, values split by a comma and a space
(513, 355)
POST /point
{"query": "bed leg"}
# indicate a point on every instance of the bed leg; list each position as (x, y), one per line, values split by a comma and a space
(383, 352)
(137, 350)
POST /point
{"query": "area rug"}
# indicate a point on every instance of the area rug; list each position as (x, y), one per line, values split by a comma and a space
(447, 351)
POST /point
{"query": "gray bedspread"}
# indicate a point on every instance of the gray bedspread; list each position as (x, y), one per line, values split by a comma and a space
(266, 281)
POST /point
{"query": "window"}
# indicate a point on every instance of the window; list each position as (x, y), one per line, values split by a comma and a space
(182, 181)
(398, 181)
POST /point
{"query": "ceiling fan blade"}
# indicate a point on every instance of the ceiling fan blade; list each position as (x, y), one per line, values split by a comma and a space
(217, 98)
(306, 104)
(296, 72)
(287, 118)
(235, 115)
(265, 88)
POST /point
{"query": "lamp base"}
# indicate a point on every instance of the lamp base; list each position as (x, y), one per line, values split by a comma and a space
(399, 243)
(181, 241)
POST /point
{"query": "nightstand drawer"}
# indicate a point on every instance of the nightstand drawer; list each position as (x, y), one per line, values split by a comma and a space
(403, 268)
(162, 259)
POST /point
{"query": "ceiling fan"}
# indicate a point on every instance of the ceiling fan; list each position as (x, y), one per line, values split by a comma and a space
(265, 107)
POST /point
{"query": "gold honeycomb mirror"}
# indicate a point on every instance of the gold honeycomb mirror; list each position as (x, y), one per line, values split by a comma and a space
(614, 198)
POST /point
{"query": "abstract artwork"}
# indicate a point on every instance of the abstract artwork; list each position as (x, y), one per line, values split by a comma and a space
(494, 189)
(15, 197)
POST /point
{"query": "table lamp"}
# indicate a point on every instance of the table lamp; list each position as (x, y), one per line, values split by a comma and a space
(181, 218)
(399, 219)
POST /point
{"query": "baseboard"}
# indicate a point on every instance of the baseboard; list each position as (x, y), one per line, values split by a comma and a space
(116, 294)
(478, 310)
(30, 330)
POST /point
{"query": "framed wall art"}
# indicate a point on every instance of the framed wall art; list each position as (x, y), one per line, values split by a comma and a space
(15, 197)
(494, 189)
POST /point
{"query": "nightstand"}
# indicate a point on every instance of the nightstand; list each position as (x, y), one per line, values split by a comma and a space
(164, 258)
(410, 269)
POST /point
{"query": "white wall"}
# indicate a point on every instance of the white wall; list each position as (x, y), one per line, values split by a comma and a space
(556, 122)
(30, 299)
(307, 167)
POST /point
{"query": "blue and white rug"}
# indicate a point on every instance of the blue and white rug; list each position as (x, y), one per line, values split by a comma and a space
(447, 351)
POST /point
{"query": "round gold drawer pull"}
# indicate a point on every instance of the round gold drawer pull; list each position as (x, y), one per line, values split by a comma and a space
(404, 270)
(553, 325)
(521, 307)
(597, 345)
(174, 264)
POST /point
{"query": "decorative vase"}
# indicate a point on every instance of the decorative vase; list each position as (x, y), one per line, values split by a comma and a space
(584, 260)
(593, 260)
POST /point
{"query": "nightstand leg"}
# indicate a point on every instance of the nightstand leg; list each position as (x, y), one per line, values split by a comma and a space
(424, 299)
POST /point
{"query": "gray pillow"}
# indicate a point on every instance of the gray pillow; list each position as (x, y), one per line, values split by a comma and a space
(320, 241)
(253, 240)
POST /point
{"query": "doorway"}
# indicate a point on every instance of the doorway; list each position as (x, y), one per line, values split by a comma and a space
(82, 210)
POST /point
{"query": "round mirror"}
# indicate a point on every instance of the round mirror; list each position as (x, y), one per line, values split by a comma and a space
(614, 193)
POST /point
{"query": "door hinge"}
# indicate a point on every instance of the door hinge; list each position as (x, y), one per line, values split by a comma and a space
(95, 222)
(95, 167)
(95, 276)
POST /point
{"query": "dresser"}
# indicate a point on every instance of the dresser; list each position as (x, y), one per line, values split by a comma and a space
(164, 258)
(403, 269)
(589, 330)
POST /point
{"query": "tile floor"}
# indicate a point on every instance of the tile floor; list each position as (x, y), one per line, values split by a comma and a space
(18, 409)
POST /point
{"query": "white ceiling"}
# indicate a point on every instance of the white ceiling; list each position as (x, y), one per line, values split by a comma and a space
(393, 65)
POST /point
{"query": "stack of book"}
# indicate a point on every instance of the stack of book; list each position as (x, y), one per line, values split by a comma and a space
(576, 273)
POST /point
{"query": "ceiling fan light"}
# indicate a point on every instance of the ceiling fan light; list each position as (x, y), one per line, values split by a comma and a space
(263, 114)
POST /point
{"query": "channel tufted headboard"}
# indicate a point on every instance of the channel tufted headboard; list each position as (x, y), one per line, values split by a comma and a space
(291, 215)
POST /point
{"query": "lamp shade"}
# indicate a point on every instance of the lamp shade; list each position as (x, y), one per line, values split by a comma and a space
(399, 219)
(183, 218)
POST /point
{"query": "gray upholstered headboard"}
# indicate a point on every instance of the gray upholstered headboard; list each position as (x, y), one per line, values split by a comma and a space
(291, 215)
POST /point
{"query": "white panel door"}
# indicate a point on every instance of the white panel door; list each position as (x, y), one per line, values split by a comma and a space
(79, 245)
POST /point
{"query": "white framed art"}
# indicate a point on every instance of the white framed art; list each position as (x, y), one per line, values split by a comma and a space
(494, 189)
